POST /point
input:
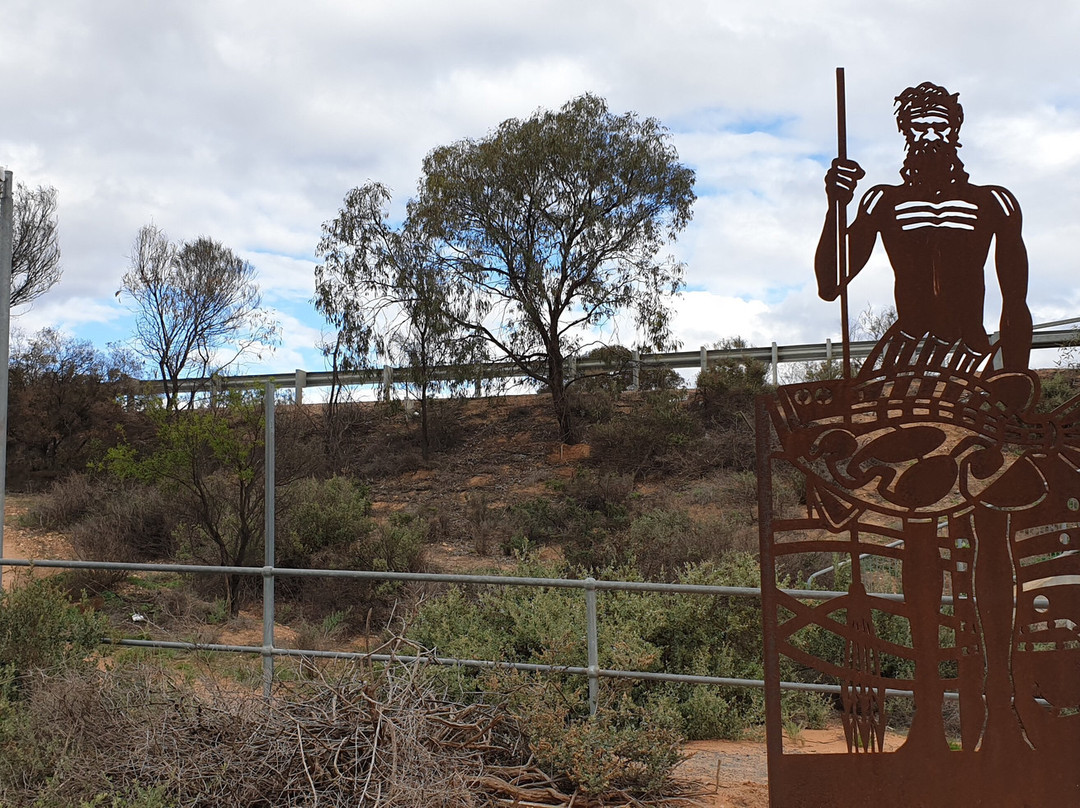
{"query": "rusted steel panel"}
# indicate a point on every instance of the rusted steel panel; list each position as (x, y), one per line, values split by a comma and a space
(932, 460)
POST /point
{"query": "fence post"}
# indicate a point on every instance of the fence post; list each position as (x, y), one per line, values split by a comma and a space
(268, 542)
(301, 383)
(590, 636)
(828, 350)
(636, 369)
(704, 358)
(775, 366)
(7, 240)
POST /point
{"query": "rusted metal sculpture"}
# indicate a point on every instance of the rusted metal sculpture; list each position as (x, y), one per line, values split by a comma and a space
(934, 458)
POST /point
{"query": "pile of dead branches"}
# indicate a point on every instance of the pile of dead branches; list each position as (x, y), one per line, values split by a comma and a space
(359, 739)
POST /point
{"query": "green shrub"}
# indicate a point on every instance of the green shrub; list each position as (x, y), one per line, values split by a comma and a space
(317, 515)
(693, 634)
(1056, 390)
(588, 519)
(394, 546)
(625, 746)
(663, 541)
(397, 545)
(327, 525)
(41, 628)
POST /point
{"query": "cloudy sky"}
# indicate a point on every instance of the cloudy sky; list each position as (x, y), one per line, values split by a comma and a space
(249, 120)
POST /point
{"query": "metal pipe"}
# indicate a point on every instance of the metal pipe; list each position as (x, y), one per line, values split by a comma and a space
(591, 641)
(434, 577)
(487, 664)
(7, 238)
(268, 542)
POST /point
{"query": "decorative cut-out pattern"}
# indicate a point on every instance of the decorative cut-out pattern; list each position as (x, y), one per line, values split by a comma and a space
(933, 462)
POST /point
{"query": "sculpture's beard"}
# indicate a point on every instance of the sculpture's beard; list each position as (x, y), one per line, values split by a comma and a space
(933, 164)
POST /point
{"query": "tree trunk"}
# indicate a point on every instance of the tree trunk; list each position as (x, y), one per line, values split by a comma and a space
(232, 594)
(425, 442)
(568, 428)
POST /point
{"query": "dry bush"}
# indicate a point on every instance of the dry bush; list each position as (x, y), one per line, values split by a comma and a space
(134, 522)
(372, 738)
(482, 522)
(107, 520)
(646, 439)
(390, 454)
(731, 446)
(65, 503)
(663, 543)
(125, 521)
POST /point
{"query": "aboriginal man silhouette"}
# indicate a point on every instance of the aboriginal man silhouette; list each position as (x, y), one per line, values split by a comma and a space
(937, 229)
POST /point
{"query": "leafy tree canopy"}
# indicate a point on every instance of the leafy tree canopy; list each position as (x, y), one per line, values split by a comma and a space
(551, 226)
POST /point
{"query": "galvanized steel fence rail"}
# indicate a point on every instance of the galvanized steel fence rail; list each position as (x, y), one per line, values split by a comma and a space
(589, 586)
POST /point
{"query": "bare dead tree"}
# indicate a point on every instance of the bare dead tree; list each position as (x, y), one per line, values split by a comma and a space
(35, 251)
(197, 308)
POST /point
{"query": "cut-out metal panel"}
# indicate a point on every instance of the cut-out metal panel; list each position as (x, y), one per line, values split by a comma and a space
(930, 470)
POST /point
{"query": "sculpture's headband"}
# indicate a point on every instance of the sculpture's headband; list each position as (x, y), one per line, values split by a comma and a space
(928, 99)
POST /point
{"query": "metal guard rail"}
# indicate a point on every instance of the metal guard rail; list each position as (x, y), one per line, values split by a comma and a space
(772, 355)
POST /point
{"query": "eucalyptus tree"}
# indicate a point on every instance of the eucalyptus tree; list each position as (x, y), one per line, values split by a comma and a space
(197, 308)
(380, 289)
(550, 228)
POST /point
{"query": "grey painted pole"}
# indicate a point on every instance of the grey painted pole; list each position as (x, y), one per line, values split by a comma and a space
(7, 236)
(268, 544)
(592, 644)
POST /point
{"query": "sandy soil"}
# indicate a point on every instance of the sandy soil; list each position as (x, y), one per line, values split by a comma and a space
(28, 543)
